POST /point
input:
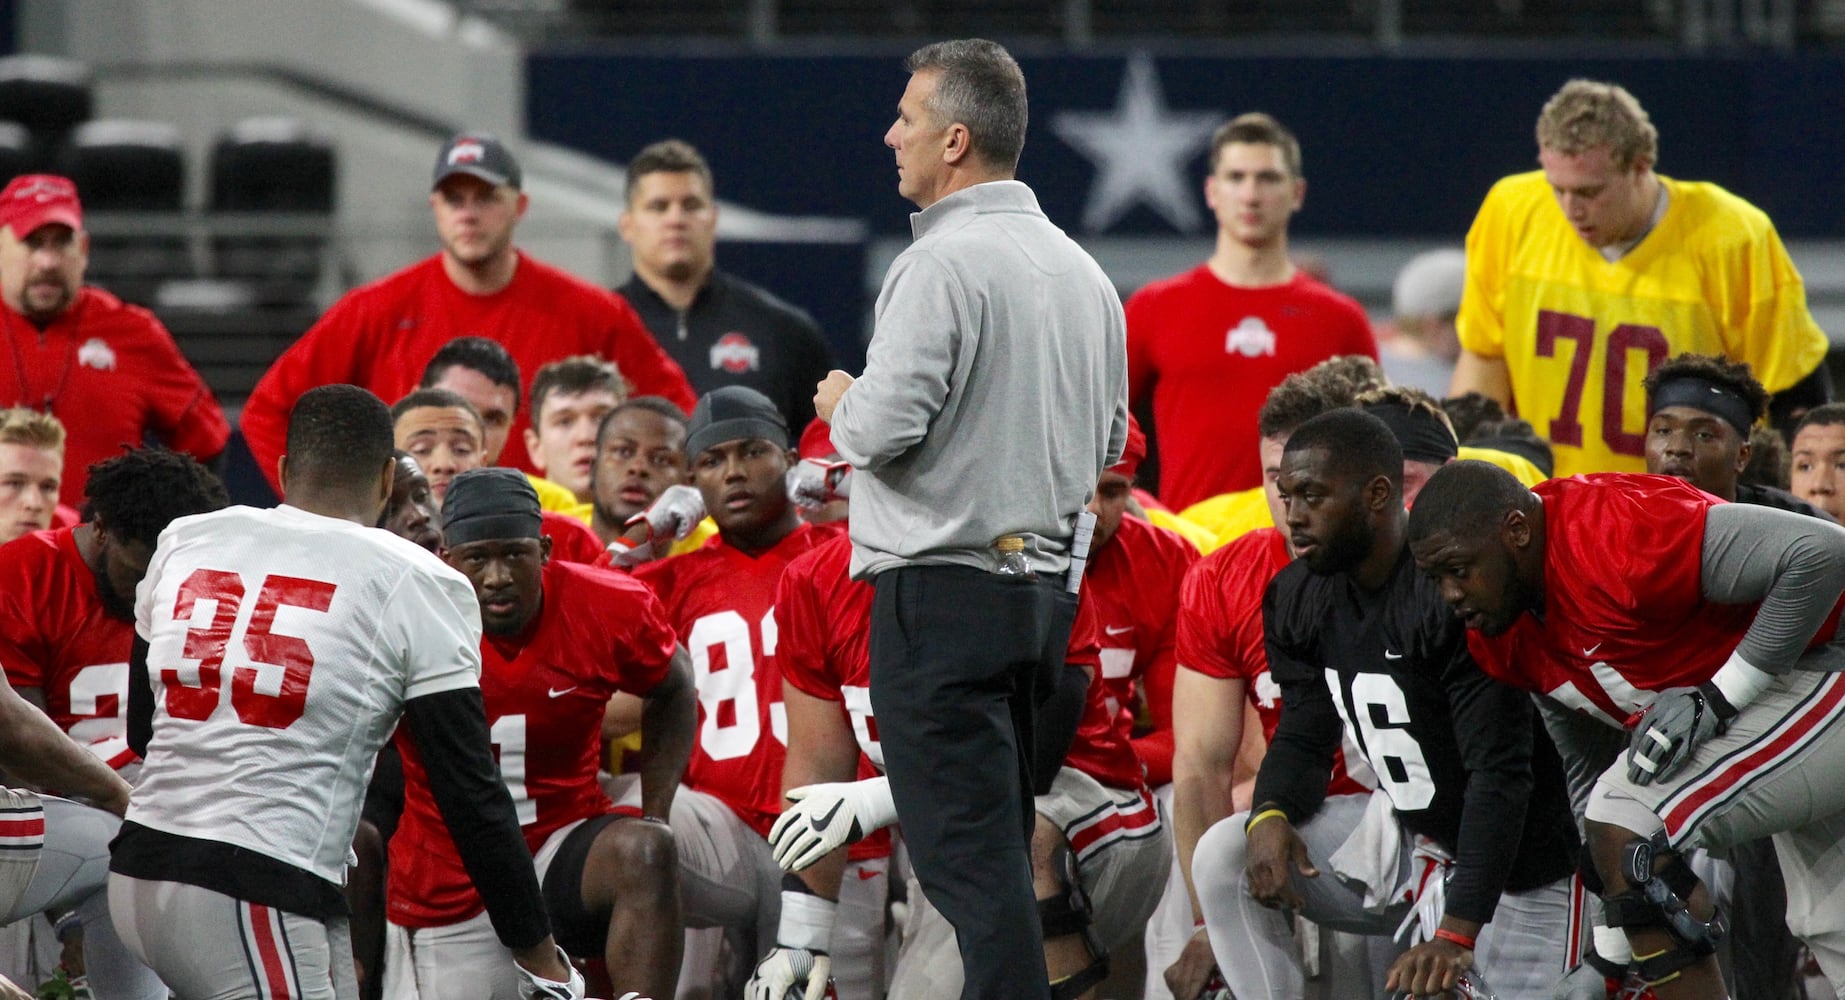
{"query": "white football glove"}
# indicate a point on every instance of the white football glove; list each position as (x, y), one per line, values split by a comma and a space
(778, 974)
(826, 816)
(533, 986)
(799, 959)
(813, 483)
(674, 513)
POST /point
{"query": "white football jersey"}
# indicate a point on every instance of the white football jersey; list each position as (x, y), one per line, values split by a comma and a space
(282, 646)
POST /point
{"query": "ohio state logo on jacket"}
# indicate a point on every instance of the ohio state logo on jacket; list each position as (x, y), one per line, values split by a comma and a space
(734, 353)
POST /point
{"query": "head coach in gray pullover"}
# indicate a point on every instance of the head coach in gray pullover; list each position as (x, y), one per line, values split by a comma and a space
(994, 393)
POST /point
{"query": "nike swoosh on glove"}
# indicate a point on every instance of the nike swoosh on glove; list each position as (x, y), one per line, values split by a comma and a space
(825, 817)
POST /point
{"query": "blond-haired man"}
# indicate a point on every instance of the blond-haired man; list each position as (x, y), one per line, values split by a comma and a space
(31, 471)
(1586, 274)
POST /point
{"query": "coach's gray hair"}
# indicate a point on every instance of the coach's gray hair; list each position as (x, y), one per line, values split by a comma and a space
(981, 87)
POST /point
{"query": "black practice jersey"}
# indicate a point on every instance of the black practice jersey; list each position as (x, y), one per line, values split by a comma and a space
(1458, 753)
(735, 333)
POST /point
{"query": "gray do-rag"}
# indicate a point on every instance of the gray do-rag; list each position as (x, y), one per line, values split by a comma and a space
(734, 413)
(490, 503)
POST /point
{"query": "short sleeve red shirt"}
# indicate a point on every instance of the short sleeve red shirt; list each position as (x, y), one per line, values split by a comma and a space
(1207, 353)
(721, 602)
(1624, 613)
(598, 633)
(55, 635)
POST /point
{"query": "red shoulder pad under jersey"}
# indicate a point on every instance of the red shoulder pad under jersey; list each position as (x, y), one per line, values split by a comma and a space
(55, 635)
(1220, 606)
(825, 622)
(721, 602)
(572, 541)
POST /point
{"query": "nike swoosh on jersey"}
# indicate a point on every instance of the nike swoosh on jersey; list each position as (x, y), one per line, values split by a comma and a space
(1591, 650)
(1388, 655)
(559, 693)
(1111, 630)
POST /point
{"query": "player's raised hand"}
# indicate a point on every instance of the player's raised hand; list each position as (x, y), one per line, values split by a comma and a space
(813, 483)
(674, 513)
(1672, 728)
(824, 817)
(1273, 852)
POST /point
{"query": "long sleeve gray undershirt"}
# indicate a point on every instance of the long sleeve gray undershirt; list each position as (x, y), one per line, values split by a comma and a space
(1793, 565)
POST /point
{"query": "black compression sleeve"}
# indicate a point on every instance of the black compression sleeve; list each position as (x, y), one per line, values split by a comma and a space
(450, 733)
(1493, 725)
(140, 698)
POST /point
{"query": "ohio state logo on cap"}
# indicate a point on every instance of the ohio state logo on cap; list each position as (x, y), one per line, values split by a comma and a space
(734, 353)
(466, 151)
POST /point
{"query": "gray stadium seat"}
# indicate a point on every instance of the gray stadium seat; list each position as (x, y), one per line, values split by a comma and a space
(131, 177)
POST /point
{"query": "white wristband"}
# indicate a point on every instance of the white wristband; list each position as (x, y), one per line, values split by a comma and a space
(878, 809)
(1740, 681)
(807, 921)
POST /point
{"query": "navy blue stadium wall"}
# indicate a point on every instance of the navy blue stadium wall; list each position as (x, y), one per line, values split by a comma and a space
(1393, 147)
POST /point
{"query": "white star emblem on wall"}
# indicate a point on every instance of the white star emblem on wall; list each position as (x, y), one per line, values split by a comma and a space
(1142, 152)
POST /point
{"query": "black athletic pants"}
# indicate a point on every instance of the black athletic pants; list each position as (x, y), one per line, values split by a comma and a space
(959, 661)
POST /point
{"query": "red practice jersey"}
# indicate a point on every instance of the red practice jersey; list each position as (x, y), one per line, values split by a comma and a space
(826, 652)
(56, 636)
(598, 633)
(1220, 628)
(381, 335)
(1208, 353)
(113, 375)
(722, 603)
(1624, 613)
(1134, 582)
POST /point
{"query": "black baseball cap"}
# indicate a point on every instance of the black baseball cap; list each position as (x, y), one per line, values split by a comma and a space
(477, 154)
(734, 413)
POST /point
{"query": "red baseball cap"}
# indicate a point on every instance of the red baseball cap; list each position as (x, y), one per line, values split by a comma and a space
(35, 200)
(1133, 452)
(817, 440)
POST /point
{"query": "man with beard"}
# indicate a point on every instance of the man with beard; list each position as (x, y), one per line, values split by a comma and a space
(1708, 631)
(1469, 835)
(107, 369)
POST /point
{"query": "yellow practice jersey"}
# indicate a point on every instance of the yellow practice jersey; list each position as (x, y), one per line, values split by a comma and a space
(559, 499)
(1229, 516)
(1519, 466)
(1578, 333)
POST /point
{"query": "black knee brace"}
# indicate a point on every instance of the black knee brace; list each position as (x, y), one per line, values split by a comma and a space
(1658, 899)
(1069, 912)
